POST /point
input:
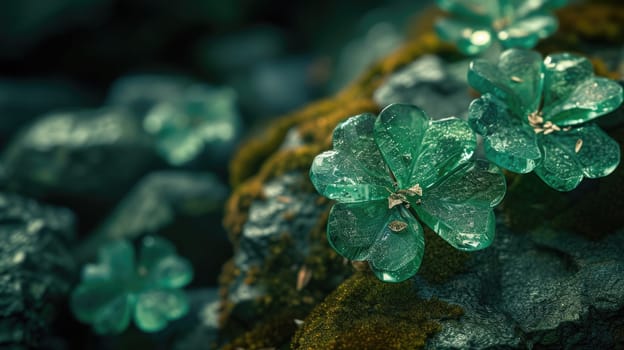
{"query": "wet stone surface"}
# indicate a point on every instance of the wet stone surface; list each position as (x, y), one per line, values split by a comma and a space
(78, 154)
(36, 269)
(285, 210)
(544, 288)
(428, 83)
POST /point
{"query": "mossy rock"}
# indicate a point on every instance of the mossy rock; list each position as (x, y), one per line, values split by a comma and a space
(261, 159)
(364, 313)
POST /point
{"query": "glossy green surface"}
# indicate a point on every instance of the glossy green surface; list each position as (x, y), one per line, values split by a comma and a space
(204, 118)
(386, 172)
(508, 142)
(532, 112)
(474, 25)
(117, 289)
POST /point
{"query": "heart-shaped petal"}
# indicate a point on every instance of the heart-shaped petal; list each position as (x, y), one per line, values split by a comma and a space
(573, 95)
(474, 9)
(105, 305)
(526, 32)
(155, 308)
(390, 239)
(152, 250)
(172, 272)
(508, 142)
(418, 150)
(470, 39)
(516, 79)
(354, 170)
(568, 156)
(459, 207)
(116, 260)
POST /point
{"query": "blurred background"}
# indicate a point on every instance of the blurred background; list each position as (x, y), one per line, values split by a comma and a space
(182, 82)
(126, 112)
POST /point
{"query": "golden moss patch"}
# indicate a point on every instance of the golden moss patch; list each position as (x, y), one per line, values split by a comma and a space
(364, 313)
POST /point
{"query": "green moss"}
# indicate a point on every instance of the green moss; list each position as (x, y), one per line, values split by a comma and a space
(283, 301)
(364, 313)
(273, 332)
(441, 261)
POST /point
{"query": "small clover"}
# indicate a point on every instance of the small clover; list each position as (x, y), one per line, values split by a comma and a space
(475, 24)
(534, 113)
(387, 171)
(116, 289)
(202, 118)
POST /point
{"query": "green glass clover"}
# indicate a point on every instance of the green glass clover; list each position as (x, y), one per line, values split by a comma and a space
(534, 113)
(387, 171)
(117, 289)
(202, 118)
(475, 24)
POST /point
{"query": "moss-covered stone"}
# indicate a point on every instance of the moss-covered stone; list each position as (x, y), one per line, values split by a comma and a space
(364, 313)
(285, 299)
(260, 159)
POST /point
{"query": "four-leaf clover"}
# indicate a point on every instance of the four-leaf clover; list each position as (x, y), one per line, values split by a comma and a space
(533, 116)
(475, 24)
(116, 289)
(386, 172)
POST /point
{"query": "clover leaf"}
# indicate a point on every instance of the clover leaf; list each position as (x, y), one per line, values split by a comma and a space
(117, 289)
(203, 119)
(534, 115)
(389, 172)
(474, 25)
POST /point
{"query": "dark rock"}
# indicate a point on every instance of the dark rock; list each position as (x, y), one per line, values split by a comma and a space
(228, 54)
(36, 269)
(24, 22)
(275, 87)
(141, 92)
(23, 100)
(430, 84)
(546, 288)
(95, 154)
(202, 321)
(285, 210)
(183, 206)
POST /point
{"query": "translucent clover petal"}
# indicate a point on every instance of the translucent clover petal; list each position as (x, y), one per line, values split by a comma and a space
(158, 257)
(103, 304)
(115, 260)
(470, 39)
(418, 150)
(516, 79)
(477, 9)
(115, 288)
(152, 250)
(566, 159)
(526, 32)
(574, 95)
(354, 170)
(363, 231)
(155, 308)
(514, 23)
(508, 142)
(524, 8)
(459, 207)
